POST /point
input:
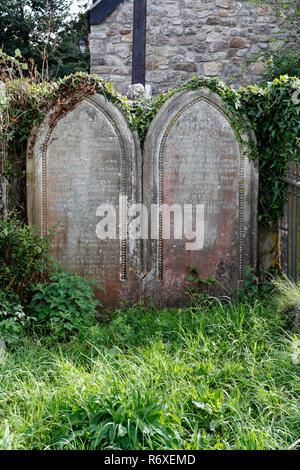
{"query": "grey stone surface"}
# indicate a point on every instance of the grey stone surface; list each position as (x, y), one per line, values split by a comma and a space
(192, 156)
(90, 157)
(176, 28)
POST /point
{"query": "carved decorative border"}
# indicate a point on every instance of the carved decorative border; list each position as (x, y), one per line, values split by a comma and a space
(123, 218)
(160, 188)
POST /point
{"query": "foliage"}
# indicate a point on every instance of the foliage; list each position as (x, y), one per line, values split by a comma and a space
(26, 102)
(288, 300)
(272, 112)
(45, 33)
(216, 376)
(12, 316)
(286, 9)
(254, 286)
(63, 305)
(35, 292)
(131, 426)
(197, 283)
(282, 57)
(23, 257)
(67, 57)
(288, 292)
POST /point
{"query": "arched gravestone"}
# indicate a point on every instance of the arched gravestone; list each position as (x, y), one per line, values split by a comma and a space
(86, 158)
(192, 157)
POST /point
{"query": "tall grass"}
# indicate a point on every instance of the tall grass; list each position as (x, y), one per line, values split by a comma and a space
(215, 376)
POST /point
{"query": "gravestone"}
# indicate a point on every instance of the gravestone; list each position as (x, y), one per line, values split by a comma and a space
(87, 158)
(192, 159)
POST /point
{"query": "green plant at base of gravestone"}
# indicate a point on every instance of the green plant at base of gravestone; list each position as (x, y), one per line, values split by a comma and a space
(282, 61)
(64, 305)
(23, 257)
(13, 318)
(272, 112)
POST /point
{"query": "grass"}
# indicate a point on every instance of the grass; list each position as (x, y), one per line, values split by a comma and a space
(215, 376)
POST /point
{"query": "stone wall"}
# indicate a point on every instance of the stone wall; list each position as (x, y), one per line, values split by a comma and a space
(214, 38)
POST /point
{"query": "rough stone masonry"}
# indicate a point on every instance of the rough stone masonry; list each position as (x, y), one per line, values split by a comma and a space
(215, 38)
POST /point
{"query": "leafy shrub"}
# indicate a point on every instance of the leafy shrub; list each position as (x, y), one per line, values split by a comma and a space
(12, 316)
(23, 257)
(54, 302)
(281, 62)
(64, 305)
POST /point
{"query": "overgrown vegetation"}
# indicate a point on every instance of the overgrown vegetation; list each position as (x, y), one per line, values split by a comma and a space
(63, 306)
(272, 112)
(34, 292)
(215, 376)
(282, 56)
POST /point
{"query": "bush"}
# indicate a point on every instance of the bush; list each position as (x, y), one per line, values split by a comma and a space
(23, 257)
(64, 305)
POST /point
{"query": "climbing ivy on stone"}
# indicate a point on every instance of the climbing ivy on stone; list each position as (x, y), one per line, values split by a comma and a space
(272, 112)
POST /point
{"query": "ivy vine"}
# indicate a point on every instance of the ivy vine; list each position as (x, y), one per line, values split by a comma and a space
(272, 112)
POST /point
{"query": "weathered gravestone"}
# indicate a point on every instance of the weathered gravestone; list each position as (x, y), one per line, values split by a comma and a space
(87, 158)
(193, 160)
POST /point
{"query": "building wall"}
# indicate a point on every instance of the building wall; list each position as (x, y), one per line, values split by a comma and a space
(185, 38)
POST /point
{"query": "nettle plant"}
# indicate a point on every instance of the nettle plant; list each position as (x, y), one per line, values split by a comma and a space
(272, 112)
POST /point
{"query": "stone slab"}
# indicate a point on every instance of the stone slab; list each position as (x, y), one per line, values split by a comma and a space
(192, 156)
